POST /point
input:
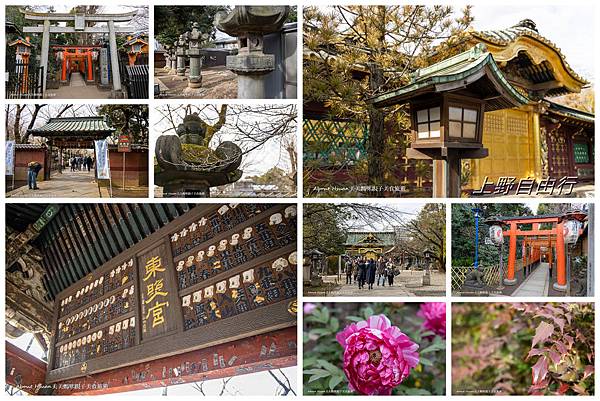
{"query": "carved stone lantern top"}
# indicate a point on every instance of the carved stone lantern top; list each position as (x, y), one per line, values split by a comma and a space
(254, 19)
(195, 37)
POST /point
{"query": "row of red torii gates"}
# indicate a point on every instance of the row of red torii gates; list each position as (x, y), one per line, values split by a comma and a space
(540, 243)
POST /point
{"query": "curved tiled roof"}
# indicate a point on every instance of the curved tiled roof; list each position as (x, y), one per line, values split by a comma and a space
(74, 126)
(526, 27)
(464, 68)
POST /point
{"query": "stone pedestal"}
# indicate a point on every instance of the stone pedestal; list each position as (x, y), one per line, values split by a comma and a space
(181, 56)
(249, 24)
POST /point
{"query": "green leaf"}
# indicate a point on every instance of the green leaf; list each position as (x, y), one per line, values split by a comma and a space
(432, 348)
(368, 312)
(316, 374)
(319, 332)
(334, 324)
(330, 367)
(354, 318)
(425, 362)
(334, 381)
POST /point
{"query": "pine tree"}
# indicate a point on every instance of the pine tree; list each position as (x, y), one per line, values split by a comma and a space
(358, 52)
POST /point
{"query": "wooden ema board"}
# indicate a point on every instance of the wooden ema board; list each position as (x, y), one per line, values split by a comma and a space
(217, 274)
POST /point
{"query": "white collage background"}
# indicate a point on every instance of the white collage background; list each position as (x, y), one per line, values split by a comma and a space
(590, 52)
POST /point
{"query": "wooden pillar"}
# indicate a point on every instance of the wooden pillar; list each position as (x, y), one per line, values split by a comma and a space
(63, 74)
(512, 255)
(446, 177)
(90, 77)
(561, 267)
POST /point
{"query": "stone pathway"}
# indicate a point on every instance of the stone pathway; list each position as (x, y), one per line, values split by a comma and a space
(76, 80)
(72, 184)
(536, 285)
(77, 89)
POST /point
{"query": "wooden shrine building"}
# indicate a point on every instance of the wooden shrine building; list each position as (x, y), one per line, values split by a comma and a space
(126, 297)
(538, 139)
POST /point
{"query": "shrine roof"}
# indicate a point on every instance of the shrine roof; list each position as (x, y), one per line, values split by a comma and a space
(455, 73)
(69, 126)
(79, 238)
(524, 37)
(570, 113)
(382, 238)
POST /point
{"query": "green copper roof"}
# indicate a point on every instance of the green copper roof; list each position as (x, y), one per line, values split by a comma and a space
(381, 238)
(86, 126)
(570, 112)
(455, 73)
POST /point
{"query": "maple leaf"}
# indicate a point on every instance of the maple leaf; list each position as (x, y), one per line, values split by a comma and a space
(542, 333)
(539, 370)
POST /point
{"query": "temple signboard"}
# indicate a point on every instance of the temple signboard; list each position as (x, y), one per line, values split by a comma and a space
(217, 274)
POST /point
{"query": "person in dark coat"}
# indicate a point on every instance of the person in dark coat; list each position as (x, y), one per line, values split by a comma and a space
(349, 271)
(371, 272)
(391, 271)
(362, 273)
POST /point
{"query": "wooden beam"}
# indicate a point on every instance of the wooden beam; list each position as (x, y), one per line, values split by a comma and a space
(264, 352)
(70, 29)
(23, 370)
(120, 17)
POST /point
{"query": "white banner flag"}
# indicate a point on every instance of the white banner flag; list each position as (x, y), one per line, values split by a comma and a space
(10, 157)
(102, 161)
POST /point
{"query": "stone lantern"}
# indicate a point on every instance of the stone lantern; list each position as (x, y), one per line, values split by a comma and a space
(249, 24)
(173, 58)
(428, 256)
(188, 167)
(167, 58)
(194, 39)
(181, 53)
(447, 105)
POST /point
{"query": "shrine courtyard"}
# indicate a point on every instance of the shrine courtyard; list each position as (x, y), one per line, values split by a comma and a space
(217, 83)
(406, 284)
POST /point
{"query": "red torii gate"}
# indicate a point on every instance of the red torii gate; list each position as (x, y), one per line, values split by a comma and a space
(76, 53)
(537, 238)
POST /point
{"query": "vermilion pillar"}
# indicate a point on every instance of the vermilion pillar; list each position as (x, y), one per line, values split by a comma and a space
(512, 254)
(63, 75)
(561, 269)
(89, 63)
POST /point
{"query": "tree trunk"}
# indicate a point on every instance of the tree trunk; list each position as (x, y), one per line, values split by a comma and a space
(17, 124)
(376, 142)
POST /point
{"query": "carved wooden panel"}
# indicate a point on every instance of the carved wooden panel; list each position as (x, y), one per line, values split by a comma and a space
(231, 267)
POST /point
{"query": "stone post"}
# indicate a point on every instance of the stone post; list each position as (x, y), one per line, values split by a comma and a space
(181, 56)
(173, 66)
(249, 24)
(114, 60)
(194, 39)
(45, 50)
(167, 58)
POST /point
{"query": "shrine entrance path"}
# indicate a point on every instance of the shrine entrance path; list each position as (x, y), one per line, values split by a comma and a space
(400, 288)
(536, 285)
(69, 184)
(77, 89)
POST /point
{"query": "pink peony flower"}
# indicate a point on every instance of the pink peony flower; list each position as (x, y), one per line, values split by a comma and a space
(434, 314)
(309, 308)
(377, 355)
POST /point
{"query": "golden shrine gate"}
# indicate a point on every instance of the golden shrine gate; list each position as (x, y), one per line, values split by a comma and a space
(207, 295)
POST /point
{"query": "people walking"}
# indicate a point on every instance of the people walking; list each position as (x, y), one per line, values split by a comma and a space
(349, 271)
(362, 273)
(371, 272)
(33, 169)
(391, 271)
